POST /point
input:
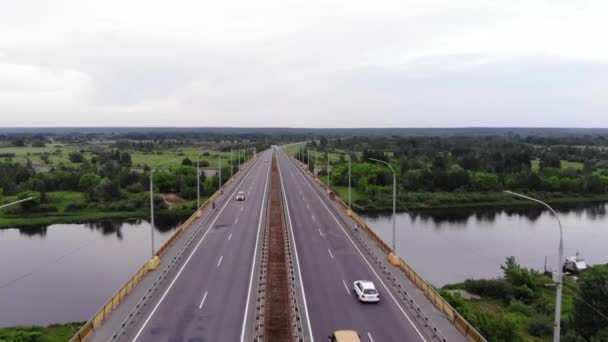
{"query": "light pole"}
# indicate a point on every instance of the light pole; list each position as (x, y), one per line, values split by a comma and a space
(152, 202)
(231, 164)
(308, 158)
(349, 185)
(559, 275)
(394, 199)
(327, 152)
(17, 202)
(313, 171)
(219, 156)
(198, 181)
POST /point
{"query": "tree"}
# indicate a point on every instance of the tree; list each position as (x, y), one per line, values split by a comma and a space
(125, 159)
(29, 205)
(88, 182)
(76, 157)
(187, 162)
(593, 291)
(106, 190)
(549, 159)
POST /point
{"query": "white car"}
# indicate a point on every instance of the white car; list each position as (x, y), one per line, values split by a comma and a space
(240, 196)
(366, 291)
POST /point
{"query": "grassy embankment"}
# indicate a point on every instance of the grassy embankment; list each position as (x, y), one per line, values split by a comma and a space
(49, 333)
(58, 154)
(446, 200)
(62, 199)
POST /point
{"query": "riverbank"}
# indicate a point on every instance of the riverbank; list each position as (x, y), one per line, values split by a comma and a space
(49, 333)
(45, 219)
(455, 200)
(520, 305)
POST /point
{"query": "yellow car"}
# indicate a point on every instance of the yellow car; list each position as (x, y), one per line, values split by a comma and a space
(344, 336)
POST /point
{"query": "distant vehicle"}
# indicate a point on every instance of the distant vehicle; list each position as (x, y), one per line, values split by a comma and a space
(344, 336)
(575, 265)
(366, 291)
(240, 196)
(266, 160)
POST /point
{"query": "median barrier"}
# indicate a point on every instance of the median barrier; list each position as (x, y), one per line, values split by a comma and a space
(461, 324)
(84, 334)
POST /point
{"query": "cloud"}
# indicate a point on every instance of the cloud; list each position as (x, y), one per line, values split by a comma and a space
(301, 63)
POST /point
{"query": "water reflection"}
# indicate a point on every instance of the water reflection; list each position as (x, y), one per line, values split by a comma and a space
(60, 262)
(450, 245)
(162, 223)
(455, 216)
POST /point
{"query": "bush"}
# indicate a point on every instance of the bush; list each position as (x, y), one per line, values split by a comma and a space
(493, 288)
(519, 307)
(76, 157)
(540, 325)
(43, 208)
(76, 206)
(135, 188)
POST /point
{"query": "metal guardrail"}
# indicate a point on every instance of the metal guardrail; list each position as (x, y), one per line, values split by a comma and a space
(260, 309)
(459, 322)
(84, 333)
(297, 332)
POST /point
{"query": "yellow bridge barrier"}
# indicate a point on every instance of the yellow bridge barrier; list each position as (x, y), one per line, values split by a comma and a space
(430, 292)
(87, 329)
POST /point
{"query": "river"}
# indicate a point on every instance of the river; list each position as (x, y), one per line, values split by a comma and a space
(65, 272)
(448, 246)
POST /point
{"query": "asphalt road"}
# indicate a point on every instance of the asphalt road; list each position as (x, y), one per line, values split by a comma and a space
(207, 298)
(330, 262)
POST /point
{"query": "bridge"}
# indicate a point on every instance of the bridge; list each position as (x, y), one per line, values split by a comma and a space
(285, 259)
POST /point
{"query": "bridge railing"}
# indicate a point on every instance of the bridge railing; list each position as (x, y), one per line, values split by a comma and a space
(459, 322)
(87, 329)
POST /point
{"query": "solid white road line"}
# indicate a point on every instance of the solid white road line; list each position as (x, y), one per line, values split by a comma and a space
(203, 301)
(331, 255)
(346, 287)
(229, 236)
(364, 259)
(295, 247)
(370, 337)
(183, 267)
(255, 252)
(219, 262)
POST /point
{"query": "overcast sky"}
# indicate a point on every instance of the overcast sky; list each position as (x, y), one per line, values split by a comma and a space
(427, 63)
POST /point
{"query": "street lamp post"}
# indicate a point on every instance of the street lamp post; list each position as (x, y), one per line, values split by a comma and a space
(231, 172)
(349, 183)
(219, 156)
(198, 182)
(394, 199)
(559, 275)
(316, 164)
(327, 152)
(308, 158)
(17, 202)
(152, 202)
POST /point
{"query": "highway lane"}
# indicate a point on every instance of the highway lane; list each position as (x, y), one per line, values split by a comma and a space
(206, 300)
(330, 263)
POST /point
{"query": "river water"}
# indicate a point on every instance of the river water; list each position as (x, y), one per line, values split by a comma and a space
(65, 272)
(450, 246)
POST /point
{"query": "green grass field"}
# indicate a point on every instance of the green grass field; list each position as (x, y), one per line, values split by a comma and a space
(49, 333)
(58, 155)
(535, 164)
